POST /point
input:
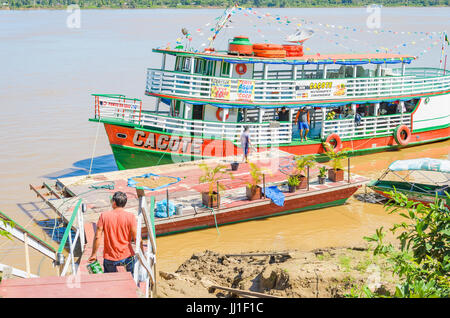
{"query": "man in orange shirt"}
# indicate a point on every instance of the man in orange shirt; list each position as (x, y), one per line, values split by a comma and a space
(119, 229)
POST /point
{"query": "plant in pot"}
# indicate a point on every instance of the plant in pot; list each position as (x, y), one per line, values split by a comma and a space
(253, 190)
(293, 182)
(336, 173)
(212, 175)
(322, 174)
(301, 164)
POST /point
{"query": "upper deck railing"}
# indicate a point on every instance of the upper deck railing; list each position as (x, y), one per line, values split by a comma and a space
(179, 84)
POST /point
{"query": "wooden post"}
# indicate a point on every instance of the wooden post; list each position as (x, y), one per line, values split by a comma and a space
(264, 185)
(348, 169)
(27, 254)
(167, 201)
(307, 178)
(217, 194)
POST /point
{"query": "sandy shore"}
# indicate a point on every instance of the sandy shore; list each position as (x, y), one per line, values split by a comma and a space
(321, 273)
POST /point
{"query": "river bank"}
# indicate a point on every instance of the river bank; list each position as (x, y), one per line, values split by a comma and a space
(319, 273)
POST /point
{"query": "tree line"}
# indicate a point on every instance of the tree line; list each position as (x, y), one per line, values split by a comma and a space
(131, 4)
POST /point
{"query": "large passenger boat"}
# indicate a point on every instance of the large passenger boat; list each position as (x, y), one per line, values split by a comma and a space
(204, 100)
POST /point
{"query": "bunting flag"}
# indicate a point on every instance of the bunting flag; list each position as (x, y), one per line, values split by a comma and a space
(344, 38)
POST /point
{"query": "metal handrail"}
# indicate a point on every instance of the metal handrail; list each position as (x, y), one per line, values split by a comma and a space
(147, 259)
(79, 235)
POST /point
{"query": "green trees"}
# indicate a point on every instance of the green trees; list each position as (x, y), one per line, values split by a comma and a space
(16, 4)
(422, 259)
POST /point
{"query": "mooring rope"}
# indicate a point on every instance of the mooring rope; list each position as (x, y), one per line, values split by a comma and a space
(93, 149)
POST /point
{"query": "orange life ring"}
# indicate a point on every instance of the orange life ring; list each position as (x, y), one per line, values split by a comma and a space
(241, 69)
(270, 53)
(267, 46)
(402, 135)
(293, 48)
(337, 141)
(219, 114)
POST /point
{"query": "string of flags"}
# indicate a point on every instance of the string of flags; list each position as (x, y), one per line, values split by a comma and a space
(338, 35)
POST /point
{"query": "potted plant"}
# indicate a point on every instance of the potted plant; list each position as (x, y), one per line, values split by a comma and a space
(322, 174)
(301, 164)
(293, 182)
(336, 173)
(253, 190)
(212, 175)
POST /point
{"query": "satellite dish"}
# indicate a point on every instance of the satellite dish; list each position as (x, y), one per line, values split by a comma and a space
(300, 36)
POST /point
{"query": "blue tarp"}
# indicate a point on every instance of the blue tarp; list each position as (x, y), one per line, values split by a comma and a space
(132, 183)
(161, 209)
(274, 194)
(423, 164)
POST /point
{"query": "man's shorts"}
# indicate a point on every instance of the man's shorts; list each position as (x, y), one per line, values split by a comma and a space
(303, 126)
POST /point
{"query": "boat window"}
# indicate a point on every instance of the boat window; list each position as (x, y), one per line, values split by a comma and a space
(183, 64)
(176, 109)
(199, 66)
(209, 68)
(225, 69)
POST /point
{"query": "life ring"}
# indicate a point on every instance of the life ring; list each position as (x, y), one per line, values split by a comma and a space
(270, 53)
(267, 46)
(402, 135)
(334, 141)
(241, 69)
(219, 114)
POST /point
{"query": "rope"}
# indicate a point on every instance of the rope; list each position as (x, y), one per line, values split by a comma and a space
(215, 220)
(93, 149)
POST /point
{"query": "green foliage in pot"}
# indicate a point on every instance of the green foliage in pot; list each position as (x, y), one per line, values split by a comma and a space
(336, 157)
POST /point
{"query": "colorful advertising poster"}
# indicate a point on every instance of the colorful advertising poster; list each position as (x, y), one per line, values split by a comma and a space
(245, 90)
(320, 89)
(220, 88)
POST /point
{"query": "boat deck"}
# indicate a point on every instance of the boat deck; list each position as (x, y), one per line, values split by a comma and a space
(188, 191)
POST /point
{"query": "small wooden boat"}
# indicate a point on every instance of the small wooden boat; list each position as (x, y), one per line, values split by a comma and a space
(416, 191)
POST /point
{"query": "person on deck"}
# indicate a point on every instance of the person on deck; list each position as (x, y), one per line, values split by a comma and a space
(303, 122)
(283, 115)
(118, 228)
(245, 143)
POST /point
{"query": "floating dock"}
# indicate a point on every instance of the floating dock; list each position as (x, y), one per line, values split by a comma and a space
(97, 190)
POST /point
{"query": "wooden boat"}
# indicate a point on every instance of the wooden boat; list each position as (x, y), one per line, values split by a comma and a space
(365, 102)
(415, 191)
(234, 205)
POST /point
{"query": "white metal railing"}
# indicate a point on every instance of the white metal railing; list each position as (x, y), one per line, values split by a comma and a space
(79, 235)
(145, 260)
(415, 81)
(266, 133)
(368, 127)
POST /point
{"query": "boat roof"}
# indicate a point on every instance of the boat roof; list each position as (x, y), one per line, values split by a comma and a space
(422, 164)
(345, 59)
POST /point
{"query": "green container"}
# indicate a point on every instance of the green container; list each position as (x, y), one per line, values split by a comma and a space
(95, 268)
(241, 40)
